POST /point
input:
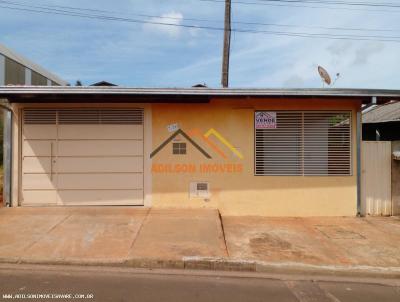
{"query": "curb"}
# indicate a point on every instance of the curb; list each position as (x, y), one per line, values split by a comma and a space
(154, 263)
(291, 268)
(224, 264)
(329, 270)
(219, 264)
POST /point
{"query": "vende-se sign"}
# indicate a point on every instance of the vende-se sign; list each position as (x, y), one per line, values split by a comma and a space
(265, 120)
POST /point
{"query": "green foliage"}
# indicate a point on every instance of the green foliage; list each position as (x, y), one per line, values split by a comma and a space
(338, 120)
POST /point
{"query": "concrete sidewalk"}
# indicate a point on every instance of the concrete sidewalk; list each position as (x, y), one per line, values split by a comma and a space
(328, 243)
(108, 235)
(198, 239)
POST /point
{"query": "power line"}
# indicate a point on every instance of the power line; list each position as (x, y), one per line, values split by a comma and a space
(332, 3)
(345, 3)
(48, 7)
(324, 2)
(301, 34)
(264, 3)
(395, 39)
(318, 27)
(192, 19)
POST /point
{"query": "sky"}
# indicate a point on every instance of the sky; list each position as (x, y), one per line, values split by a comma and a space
(151, 55)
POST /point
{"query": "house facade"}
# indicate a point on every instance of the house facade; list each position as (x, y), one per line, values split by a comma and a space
(242, 151)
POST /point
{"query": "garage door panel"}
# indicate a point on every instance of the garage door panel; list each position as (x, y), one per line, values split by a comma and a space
(39, 197)
(38, 181)
(100, 148)
(100, 132)
(96, 197)
(98, 164)
(37, 165)
(40, 132)
(39, 148)
(123, 181)
(82, 156)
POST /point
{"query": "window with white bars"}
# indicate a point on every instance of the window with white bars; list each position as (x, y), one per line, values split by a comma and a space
(304, 143)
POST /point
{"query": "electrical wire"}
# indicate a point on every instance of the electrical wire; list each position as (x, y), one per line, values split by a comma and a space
(395, 39)
(264, 3)
(345, 3)
(197, 19)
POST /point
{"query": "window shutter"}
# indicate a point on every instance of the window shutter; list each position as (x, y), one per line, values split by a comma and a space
(278, 151)
(327, 143)
(305, 143)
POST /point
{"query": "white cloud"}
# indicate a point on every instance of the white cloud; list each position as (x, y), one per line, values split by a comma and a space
(363, 54)
(174, 18)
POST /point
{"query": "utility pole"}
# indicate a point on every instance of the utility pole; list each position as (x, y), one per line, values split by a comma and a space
(227, 45)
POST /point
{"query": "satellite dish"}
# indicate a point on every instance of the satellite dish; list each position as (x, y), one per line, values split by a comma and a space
(324, 75)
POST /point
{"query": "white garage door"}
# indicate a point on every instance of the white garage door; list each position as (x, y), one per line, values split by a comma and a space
(82, 157)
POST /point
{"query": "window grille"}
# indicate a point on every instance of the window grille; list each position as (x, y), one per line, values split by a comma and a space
(84, 116)
(305, 143)
(101, 116)
(40, 116)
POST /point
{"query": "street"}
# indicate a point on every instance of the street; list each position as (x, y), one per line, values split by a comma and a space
(67, 283)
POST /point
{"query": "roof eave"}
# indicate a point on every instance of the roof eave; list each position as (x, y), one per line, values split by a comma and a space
(366, 94)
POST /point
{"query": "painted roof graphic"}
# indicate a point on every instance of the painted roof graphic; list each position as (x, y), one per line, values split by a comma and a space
(175, 134)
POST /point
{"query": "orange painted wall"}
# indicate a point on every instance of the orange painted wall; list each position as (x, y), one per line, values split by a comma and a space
(242, 193)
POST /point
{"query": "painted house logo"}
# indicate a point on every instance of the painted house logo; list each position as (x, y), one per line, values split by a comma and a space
(172, 137)
(207, 145)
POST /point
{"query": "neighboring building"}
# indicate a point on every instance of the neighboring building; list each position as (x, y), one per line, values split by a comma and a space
(381, 150)
(17, 70)
(289, 152)
(382, 123)
(103, 83)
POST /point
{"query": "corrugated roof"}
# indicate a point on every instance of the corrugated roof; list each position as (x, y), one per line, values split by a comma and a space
(389, 112)
(32, 66)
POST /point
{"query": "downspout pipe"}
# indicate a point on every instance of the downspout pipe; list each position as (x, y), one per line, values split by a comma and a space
(7, 151)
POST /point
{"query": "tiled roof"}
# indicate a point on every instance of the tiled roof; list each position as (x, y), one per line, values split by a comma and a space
(384, 113)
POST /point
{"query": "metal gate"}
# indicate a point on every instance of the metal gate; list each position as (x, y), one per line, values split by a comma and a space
(82, 157)
(376, 189)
